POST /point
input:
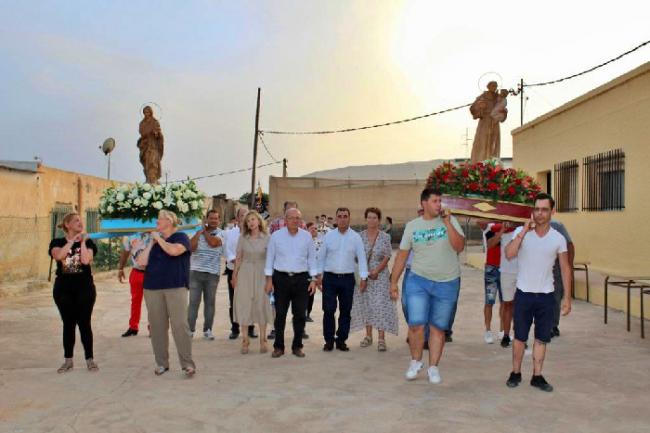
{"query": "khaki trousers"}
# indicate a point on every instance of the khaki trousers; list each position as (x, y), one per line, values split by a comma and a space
(167, 306)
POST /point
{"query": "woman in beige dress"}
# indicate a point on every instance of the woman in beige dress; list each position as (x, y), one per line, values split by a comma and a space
(251, 304)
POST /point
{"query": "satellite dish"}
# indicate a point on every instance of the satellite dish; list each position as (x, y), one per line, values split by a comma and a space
(108, 146)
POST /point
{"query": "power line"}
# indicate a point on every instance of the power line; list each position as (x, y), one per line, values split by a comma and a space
(266, 148)
(435, 113)
(379, 125)
(241, 170)
(545, 83)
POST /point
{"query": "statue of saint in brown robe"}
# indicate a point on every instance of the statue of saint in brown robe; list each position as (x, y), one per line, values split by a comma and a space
(487, 140)
(151, 144)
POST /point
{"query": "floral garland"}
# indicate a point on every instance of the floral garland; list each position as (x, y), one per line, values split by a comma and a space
(142, 201)
(484, 179)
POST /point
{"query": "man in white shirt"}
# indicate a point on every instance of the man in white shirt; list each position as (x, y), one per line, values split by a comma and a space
(290, 271)
(536, 246)
(342, 248)
(231, 239)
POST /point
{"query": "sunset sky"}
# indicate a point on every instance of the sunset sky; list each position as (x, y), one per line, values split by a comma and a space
(75, 73)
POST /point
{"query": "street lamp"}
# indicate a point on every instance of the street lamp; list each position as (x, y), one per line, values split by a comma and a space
(107, 147)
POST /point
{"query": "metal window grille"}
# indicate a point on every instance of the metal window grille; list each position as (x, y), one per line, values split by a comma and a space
(603, 186)
(92, 220)
(57, 215)
(565, 189)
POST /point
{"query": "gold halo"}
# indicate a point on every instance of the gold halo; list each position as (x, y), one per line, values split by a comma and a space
(157, 112)
(487, 77)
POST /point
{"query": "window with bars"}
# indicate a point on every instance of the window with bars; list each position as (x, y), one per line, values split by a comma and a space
(565, 189)
(603, 186)
(57, 213)
(92, 220)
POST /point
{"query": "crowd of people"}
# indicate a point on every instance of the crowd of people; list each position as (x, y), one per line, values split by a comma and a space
(270, 271)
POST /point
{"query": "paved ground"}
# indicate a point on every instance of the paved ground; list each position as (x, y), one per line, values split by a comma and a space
(600, 373)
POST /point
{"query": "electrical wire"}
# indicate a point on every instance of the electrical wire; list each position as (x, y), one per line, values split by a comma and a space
(559, 80)
(261, 135)
(379, 125)
(225, 173)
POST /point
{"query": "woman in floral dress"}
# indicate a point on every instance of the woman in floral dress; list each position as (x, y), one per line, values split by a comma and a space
(373, 307)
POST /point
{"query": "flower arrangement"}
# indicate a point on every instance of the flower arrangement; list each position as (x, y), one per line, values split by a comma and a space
(485, 179)
(142, 201)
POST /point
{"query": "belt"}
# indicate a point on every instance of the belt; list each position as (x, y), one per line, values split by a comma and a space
(137, 270)
(535, 294)
(291, 274)
(333, 274)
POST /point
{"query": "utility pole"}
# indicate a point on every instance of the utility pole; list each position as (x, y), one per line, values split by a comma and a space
(257, 133)
(465, 142)
(521, 102)
(284, 167)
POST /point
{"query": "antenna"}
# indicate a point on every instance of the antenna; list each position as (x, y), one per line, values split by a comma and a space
(465, 142)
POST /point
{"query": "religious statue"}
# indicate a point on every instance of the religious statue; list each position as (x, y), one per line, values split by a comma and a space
(151, 144)
(490, 109)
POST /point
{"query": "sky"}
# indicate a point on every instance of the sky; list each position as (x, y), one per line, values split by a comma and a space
(76, 72)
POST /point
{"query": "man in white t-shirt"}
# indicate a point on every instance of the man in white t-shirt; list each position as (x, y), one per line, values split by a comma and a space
(536, 246)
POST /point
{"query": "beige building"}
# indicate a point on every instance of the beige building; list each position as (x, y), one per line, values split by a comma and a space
(35, 197)
(592, 154)
(393, 188)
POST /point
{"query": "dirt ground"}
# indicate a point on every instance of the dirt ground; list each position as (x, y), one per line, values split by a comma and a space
(600, 373)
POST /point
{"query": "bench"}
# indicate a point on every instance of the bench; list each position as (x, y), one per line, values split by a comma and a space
(628, 281)
(583, 266)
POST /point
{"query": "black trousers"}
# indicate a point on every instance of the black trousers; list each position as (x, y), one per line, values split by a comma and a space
(337, 288)
(290, 290)
(310, 304)
(75, 301)
(234, 326)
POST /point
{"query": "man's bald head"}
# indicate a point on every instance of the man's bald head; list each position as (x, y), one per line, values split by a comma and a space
(293, 211)
(292, 217)
(241, 213)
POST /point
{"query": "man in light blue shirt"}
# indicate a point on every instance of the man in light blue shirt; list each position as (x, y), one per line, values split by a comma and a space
(340, 252)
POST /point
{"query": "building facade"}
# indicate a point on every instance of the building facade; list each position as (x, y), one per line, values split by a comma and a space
(34, 199)
(592, 154)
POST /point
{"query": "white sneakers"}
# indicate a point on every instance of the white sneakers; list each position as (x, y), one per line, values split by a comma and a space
(208, 335)
(488, 337)
(416, 366)
(414, 369)
(501, 334)
(434, 375)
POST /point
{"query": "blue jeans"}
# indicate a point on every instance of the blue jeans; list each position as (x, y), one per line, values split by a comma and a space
(404, 309)
(431, 302)
(492, 278)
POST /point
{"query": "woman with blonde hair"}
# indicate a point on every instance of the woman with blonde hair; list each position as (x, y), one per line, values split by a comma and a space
(251, 303)
(166, 261)
(74, 288)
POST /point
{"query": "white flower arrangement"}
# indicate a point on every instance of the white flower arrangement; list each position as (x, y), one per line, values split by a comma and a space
(142, 201)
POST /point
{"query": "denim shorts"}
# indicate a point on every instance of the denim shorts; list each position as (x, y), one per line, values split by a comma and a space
(537, 308)
(430, 302)
(492, 278)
